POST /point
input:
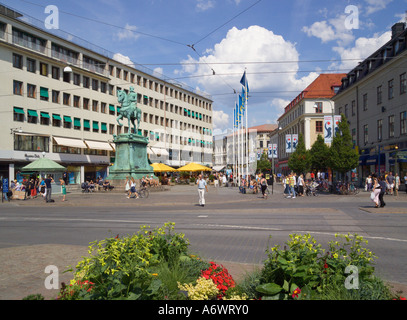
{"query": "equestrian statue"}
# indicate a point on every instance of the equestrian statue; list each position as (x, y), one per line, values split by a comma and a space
(129, 109)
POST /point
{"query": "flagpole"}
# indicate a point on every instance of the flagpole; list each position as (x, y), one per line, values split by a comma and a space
(242, 141)
(238, 146)
(233, 145)
(247, 130)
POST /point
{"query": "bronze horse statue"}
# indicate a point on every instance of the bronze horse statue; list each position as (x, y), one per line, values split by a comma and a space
(129, 109)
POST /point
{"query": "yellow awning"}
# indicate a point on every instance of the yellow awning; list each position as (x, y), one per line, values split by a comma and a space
(194, 167)
(161, 167)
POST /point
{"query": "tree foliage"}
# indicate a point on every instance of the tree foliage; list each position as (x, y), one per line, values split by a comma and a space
(319, 154)
(263, 163)
(343, 157)
(299, 161)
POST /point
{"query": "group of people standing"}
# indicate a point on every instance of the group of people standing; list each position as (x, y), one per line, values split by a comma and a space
(392, 183)
(293, 185)
(38, 186)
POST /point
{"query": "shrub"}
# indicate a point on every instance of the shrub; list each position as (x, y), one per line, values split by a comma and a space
(305, 265)
(122, 268)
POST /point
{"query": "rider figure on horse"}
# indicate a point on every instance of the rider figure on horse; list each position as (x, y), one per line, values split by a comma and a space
(129, 108)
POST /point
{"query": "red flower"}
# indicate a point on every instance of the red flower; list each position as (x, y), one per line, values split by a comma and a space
(220, 277)
(296, 292)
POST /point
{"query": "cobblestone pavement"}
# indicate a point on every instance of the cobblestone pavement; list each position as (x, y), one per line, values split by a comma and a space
(22, 267)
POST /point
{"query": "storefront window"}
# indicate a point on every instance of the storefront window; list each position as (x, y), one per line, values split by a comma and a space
(63, 149)
(31, 143)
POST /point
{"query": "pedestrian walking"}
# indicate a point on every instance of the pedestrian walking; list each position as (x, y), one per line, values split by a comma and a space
(48, 190)
(63, 187)
(202, 186)
(301, 185)
(127, 185)
(132, 189)
(383, 185)
(376, 192)
(263, 184)
(390, 182)
(405, 182)
(396, 184)
(290, 186)
(285, 185)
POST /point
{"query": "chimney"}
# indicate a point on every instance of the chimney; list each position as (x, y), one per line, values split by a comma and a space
(397, 29)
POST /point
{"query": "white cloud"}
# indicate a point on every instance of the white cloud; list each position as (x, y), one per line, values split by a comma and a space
(253, 44)
(332, 30)
(376, 5)
(203, 5)
(320, 29)
(220, 119)
(123, 59)
(127, 33)
(363, 48)
(278, 105)
(158, 72)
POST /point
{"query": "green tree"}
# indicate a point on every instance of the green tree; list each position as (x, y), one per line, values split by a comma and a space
(263, 163)
(319, 154)
(343, 156)
(299, 161)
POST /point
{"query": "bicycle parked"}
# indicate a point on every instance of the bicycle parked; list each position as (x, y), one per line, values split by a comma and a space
(344, 188)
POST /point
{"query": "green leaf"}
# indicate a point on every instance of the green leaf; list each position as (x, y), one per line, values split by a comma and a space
(269, 289)
(134, 296)
(286, 285)
(282, 260)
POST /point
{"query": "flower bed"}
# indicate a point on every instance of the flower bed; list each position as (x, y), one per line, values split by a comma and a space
(157, 265)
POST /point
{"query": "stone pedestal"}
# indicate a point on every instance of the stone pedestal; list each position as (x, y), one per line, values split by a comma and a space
(131, 159)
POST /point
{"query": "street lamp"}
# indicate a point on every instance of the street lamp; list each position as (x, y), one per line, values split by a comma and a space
(13, 130)
(68, 69)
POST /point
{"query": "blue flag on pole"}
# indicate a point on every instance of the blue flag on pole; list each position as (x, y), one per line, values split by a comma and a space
(244, 82)
(241, 105)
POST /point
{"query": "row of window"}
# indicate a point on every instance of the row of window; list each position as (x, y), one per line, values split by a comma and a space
(379, 128)
(379, 95)
(96, 85)
(56, 120)
(318, 108)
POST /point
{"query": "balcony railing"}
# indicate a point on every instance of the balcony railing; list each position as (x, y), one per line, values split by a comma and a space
(29, 42)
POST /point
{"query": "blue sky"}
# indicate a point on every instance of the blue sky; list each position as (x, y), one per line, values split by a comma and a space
(282, 45)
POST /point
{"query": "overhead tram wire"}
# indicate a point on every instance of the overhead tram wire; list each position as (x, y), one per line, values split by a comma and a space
(110, 24)
(225, 23)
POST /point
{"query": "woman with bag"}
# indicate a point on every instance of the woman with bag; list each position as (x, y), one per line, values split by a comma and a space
(376, 192)
(127, 185)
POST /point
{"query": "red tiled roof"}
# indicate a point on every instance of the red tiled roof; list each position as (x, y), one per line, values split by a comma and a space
(264, 128)
(321, 87)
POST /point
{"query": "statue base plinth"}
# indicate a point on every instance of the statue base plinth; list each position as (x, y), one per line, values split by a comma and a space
(131, 159)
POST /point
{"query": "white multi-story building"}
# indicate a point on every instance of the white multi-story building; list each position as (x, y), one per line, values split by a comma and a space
(305, 114)
(59, 97)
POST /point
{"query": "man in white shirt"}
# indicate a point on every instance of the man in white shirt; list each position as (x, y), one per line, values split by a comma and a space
(202, 186)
